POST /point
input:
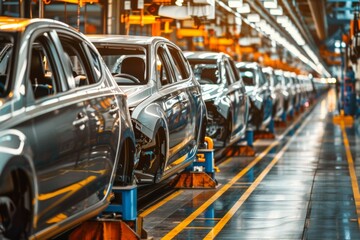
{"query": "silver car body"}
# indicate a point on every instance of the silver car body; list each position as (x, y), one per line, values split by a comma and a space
(224, 94)
(59, 147)
(169, 100)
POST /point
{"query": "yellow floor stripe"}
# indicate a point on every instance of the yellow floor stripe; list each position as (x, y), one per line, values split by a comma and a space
(354, 181)
(220, 225)
(182, 225)
(199, 228)
(159, 204)
(209, 219)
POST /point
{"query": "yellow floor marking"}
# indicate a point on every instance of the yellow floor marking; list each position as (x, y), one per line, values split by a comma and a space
(159, 204)
(182, 225)
(221, 191)
(243, 183)
(220, 225)
(209, 219)
(240, 187)
(200, 228)
(354, 181)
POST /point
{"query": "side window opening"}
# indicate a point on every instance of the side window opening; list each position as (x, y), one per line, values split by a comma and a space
(41, 69)
(162, 71)
(228, 72)
(77, 64)
(96, 64)
(6, 50)
(181, 70)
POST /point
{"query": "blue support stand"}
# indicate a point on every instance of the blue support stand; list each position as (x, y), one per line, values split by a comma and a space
(283, 116)
(249, 136)
(272, 126)
(291, 113)
(128, 206)
(205, 178)
(206, 161)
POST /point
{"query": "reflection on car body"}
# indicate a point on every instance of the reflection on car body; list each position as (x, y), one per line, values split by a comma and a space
(224, 94)
(286, 90)
(258, 89)
(294, 86)
(62, 145)
(276, 92)
(165, 101)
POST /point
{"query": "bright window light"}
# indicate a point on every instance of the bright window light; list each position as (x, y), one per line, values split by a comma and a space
(245, 8)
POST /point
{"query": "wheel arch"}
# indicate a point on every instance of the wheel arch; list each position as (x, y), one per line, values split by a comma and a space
(22, 168)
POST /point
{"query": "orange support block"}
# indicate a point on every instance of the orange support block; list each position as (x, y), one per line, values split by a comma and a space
(237, 151)
(193, 180)
(98, 230)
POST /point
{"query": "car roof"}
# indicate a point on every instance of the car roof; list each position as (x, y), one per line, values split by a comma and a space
(204, 55)
(124, 39)
(248, 65)
(11, 24)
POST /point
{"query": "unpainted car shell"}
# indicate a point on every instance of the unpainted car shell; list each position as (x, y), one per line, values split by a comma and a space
(295, 88)
(276, 92)
(287, 91)
(259, 94)
(149, 103)
(35, 153)
(227, 99)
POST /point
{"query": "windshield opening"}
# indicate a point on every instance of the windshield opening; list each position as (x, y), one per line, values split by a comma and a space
(247, 76)
(127, 65)
(206, 73)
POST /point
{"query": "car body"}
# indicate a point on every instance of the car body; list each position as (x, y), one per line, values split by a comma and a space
(224, 94)
(288, 93)
(294, 86)
(63, 145)
(164, 98)
(276, 92)
(258, 89)
(307, 89)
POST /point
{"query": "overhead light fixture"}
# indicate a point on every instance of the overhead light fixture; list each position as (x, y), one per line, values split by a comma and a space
(245, 8)
(253, 17)
(337, 43)
(276, 11)
(282, 19)
(270, 4)
(235, 3)
(179, 2)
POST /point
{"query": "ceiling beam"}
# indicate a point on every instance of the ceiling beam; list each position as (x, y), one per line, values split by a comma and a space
(298, 19)
(337, 1)
(317, 9)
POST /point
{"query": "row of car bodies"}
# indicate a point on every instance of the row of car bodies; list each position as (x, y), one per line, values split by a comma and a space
(224, 94)
(165, 101)
(80, 114)
(66, 135)
(74, 123)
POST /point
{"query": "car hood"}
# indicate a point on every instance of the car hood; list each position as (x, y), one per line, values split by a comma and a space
(212, 91)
